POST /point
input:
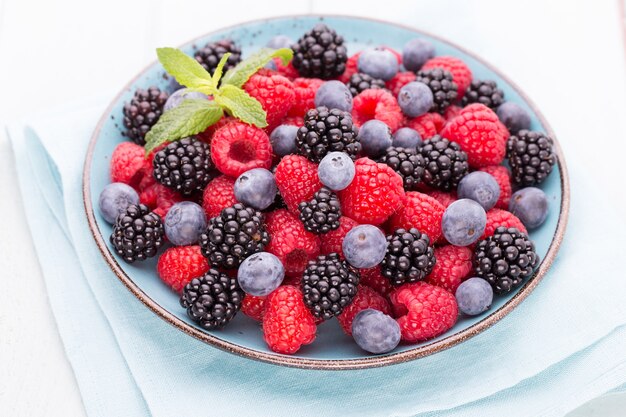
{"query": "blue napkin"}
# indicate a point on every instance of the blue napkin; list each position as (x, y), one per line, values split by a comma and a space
(561, 347)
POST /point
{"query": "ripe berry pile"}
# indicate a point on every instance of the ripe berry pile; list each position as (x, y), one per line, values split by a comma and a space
(378, 197)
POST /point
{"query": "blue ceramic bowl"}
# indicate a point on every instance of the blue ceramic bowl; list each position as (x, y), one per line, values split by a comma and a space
(332, 349)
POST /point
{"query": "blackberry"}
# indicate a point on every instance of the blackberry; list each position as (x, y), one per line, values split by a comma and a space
(409, 257)
(321, 214)
(440, 83)
(407, 163)
(531, 157)
(320, 53)
(235, 234)
(327, 130)
(137, 233)
(505, 259)
(211, 54)
(212, 300)
(445, 163)
(329, 285)
(360, 81)
(485, 92)
(142, 112)
(184, 165)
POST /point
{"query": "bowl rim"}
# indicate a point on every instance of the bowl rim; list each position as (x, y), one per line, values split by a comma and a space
(333, 364)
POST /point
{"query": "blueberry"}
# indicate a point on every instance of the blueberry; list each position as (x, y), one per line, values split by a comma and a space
(375, 332)
(334, 95)
(480, 187)
(184, 223)
(415, 99)
(115, 199)
(336, 170)
(256, 188)
(415, 53)
(283, 140)
(181, 95)
(474, 296)
(260, 274)
(271, 65)
(514, 117)
(405, 137)
(280, 41)
(463, 222)
(375, 137)
(364, 246)
(530, 204)
(378, 63)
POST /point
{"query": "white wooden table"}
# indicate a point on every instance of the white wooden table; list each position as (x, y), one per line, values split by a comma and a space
(52, 52)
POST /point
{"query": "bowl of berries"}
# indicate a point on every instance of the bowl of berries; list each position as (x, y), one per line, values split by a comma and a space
(326, 192)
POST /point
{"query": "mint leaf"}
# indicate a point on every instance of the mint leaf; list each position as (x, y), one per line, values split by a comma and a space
(241, 105)
(245, 69)
(191, 117)
(219, 70)
(186, 70)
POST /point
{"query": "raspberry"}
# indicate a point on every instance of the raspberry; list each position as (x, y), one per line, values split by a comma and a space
(274, 92)
(159, 198)
(293, 120)
(253, 306)
(497, 218)
(351, 68)
(287, 71)
(290, 242)
(237, 147)
(180, 264)
(453, 266)
(377, 104)
(480, 134)
(374, 194)
(451, 112)
(445, 198)
(424, 311)
(398, 81)
(420, 211)
(428, 125)
(373, 278)
(503, 178)
(365, 298)
(297, 180)
(461, 73)
(304, 95)
(331, 241)
(287, 322)
(127, 163)
(207, 135)
(218, 194)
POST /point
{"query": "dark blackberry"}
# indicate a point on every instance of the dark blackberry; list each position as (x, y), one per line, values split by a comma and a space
(440, 83)
(184, 165)
(505, 259)
(327, 130)
(211, 54)
(212, 300)
(408, 163)
(235, 234)
(329, 285)
(321, 214)
(409, 257)
(320, 53)
(360, 81)
(484, 92)
(445, 163)
(137, 233)
(142, 112)
(531, 157)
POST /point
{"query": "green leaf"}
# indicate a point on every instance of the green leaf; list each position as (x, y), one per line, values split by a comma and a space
(191, 117)
(186, 70)
(219, 70)
(245, 69)
(241, 105)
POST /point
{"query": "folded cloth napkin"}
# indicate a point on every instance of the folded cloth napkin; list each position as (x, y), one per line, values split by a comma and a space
(561, 347)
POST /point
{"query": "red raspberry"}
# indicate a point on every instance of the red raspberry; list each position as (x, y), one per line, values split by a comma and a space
(477, 130)
(180, 264)
(218, 195)
(290, 241)
(237, 147)
(398, 81)
(444, 198)
(503, 178)
(253, 306)
(331, 241)
(373, 278)
(127, 163)
(453, 266)
(420, 211)
(287, 322)
(424, 311)
(428, 125)
(376, 103)
(288, 71)
(451, 112)
(374, 194)
(461, 74)
(207, 135)
(497, 217)
(274, 92)
(159, 198)
(365, 298)
(351, 68)
(293, 120)
(304, 90)
(297, 180)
